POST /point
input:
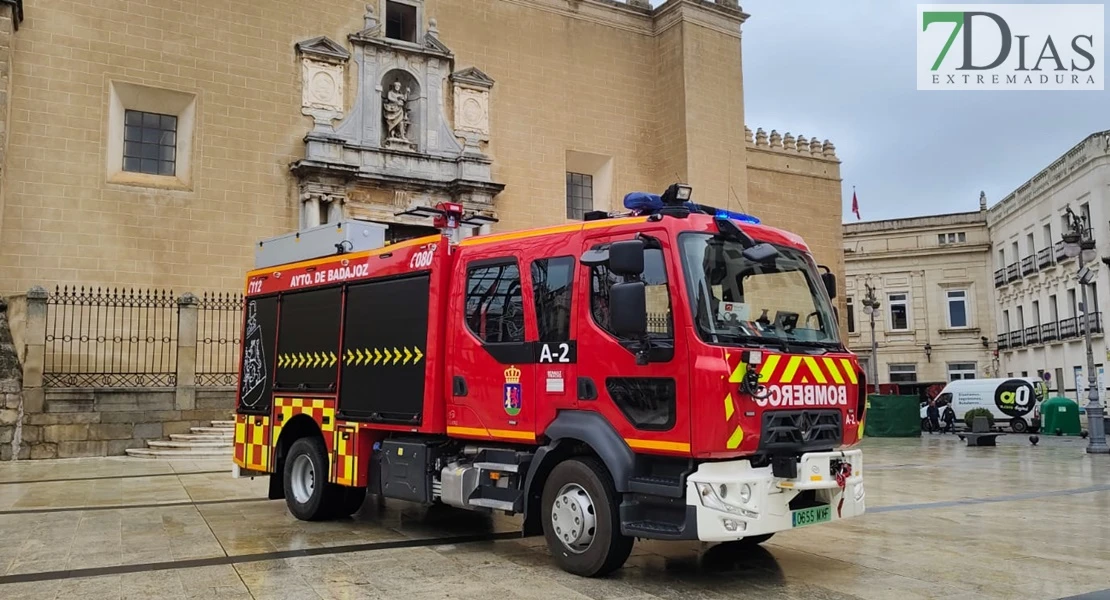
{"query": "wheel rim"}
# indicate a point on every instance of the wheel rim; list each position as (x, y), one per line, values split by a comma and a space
(303, 479)
(573, 518)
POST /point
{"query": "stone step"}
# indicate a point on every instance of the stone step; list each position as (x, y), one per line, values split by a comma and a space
(179, 452)
(224, 424)
(200, 437)
(189, 443)
(219, 430)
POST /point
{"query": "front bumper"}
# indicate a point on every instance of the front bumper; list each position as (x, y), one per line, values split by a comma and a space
(723, 514)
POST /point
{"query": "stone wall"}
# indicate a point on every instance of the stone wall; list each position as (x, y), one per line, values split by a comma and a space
(794, 183)
(104, 422)
(11, 386)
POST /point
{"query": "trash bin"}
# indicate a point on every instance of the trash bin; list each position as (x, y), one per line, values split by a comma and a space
(1061, 414)
(892, 416)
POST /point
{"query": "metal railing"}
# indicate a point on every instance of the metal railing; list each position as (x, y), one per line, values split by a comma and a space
(110, 338)
(1044, 258)
(1028, 266)
(1012, 273)
(1064, 329)
(218, 329)
(1000, 277)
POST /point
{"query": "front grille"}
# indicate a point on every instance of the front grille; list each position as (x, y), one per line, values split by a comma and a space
(800, 430)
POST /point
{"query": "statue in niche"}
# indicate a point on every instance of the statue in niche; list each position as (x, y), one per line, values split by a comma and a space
(395, 114)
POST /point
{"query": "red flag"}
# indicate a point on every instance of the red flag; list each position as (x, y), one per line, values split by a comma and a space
(855, 204)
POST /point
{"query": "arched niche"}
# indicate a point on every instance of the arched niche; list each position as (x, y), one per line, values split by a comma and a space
(403, 109)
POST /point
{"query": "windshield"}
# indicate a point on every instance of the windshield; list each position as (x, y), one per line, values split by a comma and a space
(736, 300)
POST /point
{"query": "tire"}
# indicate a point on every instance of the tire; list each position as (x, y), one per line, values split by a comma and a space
(308, 494)
(1018, 425)
(925, 425)
(586, 483)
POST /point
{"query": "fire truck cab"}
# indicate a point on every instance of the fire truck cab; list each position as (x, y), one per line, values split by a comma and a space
(672, 373)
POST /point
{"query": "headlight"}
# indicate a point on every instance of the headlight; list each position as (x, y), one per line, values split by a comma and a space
(710, 498)
(746, 493)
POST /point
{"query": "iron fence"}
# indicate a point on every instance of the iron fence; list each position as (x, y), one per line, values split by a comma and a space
(110, 338)
(218, 330)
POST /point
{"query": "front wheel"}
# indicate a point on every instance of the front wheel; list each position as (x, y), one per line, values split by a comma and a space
(307, 492)
(580, 520)
(1018, 425)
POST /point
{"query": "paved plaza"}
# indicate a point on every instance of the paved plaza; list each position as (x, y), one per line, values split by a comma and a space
(945, 521)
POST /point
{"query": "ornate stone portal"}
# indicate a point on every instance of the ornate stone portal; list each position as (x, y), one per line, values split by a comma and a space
(395, 150)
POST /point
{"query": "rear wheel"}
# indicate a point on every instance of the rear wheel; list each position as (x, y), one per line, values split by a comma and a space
(308, 494)
(1018, 425)
(580, 520)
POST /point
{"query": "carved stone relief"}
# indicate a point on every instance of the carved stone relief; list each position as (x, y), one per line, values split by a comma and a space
(323, 66)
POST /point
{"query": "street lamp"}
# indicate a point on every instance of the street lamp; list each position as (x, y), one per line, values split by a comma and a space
(1079, 243)
(871, 308)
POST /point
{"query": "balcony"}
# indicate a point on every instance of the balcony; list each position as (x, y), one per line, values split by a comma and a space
(1058, 249)
(1012, 273)
(1044, 258)
(1064, 329)
(1000, 278)
(1028, 266)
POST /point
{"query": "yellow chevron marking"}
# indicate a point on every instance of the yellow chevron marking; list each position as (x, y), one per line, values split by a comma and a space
(332, 359)
(300, 359)
(347, 356)
(397, 355)
(281, 360)
(419, 355)
(363, 356)
(728, 407)
(815, 370)
(835, 372)
(738, 373)
(408, 356)
(791, 369)
(849, 370)
(387, 355)
(735, 439)
(768, 368)
(377, 356)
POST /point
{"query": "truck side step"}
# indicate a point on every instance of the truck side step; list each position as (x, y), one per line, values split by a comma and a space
(652, 529)
(654, 485)
(492, 503)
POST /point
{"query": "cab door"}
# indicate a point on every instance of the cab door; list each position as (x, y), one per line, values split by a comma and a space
(648, 404)
(490, 349)
(554, 288)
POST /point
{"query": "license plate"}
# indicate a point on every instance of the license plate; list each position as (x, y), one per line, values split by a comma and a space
(809, 516)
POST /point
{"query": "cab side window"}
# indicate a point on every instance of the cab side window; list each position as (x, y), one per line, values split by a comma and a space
(494, 302)
(659, 321)
(551, 282)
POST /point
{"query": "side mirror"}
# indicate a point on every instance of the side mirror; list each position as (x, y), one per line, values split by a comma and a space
(761, 252)
(626, 257)
(829, 280)
(628, 309)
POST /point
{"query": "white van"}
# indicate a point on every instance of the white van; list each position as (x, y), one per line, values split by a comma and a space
(1013, 400)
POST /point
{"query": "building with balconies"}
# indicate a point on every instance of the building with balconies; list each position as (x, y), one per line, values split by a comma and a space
(1040, 318)
(931, 276)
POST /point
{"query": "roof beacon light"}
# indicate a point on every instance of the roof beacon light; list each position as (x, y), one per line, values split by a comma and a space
(642, 202)
(735, 216)
(677, 194)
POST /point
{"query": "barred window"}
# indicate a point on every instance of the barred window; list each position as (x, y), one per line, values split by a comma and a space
(580, 195)
(149, 143)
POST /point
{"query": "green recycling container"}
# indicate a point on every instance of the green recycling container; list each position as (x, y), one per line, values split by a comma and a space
(892, 416)
(1060, 413)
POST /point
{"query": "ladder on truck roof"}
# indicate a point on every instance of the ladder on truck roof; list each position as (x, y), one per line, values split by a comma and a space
(354, 235)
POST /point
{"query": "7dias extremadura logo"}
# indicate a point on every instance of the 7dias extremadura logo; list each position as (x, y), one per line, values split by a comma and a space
(1010, 47)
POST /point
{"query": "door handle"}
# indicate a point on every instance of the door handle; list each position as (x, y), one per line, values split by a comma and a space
(586, 389)
(458, 386)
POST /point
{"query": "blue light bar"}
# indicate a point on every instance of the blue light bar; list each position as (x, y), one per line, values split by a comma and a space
(643, 202)
(728, 214)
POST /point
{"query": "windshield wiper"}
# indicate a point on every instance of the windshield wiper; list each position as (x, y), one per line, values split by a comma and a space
(753, 340)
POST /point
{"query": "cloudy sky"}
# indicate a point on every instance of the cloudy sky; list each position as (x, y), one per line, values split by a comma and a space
(845, 71)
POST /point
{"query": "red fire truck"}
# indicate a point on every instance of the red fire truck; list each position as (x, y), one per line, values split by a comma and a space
(675, 372)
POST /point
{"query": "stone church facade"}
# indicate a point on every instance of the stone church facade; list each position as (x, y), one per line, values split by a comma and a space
(155, 143)
(146, 147)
